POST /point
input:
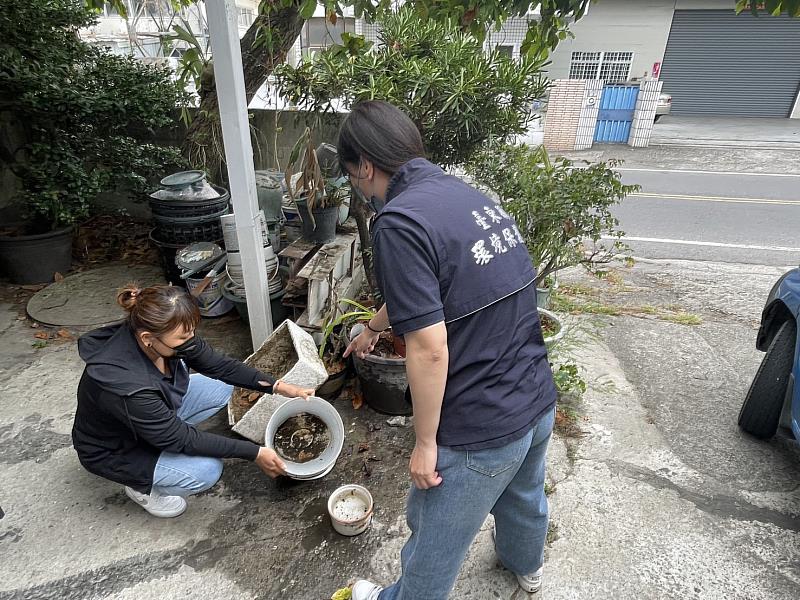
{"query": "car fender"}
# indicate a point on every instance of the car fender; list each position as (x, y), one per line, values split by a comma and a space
(783, 302)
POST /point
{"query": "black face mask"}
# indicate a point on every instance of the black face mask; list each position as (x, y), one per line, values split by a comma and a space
(187, 348)
(375, 204)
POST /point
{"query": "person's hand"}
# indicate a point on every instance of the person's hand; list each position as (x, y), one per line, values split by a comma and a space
(423, 466)
(269, 462)
(363, 343)
(290, 390)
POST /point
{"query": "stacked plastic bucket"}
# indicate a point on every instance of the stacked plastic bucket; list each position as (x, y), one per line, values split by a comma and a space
(234, 287)
(187, 209)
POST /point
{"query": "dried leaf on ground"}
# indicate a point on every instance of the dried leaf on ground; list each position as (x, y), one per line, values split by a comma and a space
(58, 277)
(64, 334)
(253, 396)
(358, 400)
(41, 335)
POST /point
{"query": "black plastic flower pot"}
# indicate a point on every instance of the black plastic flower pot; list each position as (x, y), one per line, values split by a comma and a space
(323, 229)
(384, 383)
(29, 259)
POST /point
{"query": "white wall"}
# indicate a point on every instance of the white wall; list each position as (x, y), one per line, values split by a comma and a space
(638, 26)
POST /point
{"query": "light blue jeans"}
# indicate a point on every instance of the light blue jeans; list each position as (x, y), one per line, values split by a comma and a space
(507, 482)
(183, 475)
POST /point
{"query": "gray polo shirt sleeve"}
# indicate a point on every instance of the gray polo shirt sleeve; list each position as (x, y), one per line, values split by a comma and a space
(406, 267)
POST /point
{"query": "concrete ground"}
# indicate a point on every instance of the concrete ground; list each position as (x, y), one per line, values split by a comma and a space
(727, 131)
(658, 496)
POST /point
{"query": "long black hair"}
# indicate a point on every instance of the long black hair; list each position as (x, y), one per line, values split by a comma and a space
(381, 133)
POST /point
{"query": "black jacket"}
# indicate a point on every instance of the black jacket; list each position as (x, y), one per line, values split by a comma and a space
(126, 413)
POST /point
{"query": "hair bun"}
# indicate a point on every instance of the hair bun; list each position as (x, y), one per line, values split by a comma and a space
(128, 295)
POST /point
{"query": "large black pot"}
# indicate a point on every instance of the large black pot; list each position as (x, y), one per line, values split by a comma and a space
(323, 229)
(384, 383)
(28, 259)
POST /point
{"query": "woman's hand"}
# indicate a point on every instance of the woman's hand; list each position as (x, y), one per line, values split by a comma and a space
(289, 390)
(269, 462)
(422, 466)
(363, 343)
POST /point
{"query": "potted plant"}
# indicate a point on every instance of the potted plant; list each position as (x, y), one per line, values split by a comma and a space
(73, 123)
(317, 191)
(382, 373)
(562, 211)
(334, 342)
(553, 329)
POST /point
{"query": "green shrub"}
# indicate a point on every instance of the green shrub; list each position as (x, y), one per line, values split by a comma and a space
(562, 210)
(85, 113)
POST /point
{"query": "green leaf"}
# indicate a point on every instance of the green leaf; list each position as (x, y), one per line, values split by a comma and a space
(307, 9)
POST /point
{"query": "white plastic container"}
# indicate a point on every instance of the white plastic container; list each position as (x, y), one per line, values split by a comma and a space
(211, 301)
(229, 231)
(321, 409)
(350, 508)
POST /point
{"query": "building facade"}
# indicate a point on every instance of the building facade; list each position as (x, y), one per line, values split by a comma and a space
(712, 61)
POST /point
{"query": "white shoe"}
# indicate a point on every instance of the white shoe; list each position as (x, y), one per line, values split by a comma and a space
(529, 583)
(365, 590)
(158, 505)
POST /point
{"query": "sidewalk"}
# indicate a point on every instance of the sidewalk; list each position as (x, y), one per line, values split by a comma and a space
(710, 144)
(731, 132)
(659, 496)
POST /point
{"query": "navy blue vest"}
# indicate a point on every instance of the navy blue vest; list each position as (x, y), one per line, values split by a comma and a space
(482, 256)
(437, 228)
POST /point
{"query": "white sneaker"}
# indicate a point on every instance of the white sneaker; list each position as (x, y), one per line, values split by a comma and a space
(365, 590)
(156, 504)
(530, 583)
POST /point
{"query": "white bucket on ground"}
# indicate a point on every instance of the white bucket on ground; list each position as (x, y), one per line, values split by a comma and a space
(211, 301)
(350, 508)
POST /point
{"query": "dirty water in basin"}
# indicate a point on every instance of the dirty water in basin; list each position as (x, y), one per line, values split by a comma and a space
(302, 438)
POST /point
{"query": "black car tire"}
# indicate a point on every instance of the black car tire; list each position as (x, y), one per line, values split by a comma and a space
(762, 406)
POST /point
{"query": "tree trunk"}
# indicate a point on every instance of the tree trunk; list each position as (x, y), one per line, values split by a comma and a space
(360, 213)
(203, 145)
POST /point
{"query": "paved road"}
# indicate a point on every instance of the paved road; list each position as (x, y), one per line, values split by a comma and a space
(718, 216)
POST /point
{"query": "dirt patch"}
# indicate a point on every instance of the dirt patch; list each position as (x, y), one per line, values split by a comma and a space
(385, 346)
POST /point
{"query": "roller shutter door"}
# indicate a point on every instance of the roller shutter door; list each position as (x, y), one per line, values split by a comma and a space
(720, 63)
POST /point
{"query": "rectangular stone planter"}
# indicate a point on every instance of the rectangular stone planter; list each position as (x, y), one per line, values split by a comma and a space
(289, 354)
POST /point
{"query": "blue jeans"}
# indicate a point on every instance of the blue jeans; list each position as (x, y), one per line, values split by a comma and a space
(507, 482)
(183, 475)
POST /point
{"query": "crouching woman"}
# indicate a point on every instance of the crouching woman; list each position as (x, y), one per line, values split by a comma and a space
(138, 405)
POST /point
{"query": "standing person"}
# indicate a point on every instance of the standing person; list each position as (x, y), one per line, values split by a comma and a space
(138, 405)
(459, 286)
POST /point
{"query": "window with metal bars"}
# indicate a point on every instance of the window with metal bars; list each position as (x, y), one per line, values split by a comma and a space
(319, 33)
(611, 67)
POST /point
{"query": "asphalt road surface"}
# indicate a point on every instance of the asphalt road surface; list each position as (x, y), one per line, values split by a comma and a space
(714, 216)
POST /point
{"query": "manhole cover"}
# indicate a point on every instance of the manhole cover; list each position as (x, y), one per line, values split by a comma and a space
(89, 298)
